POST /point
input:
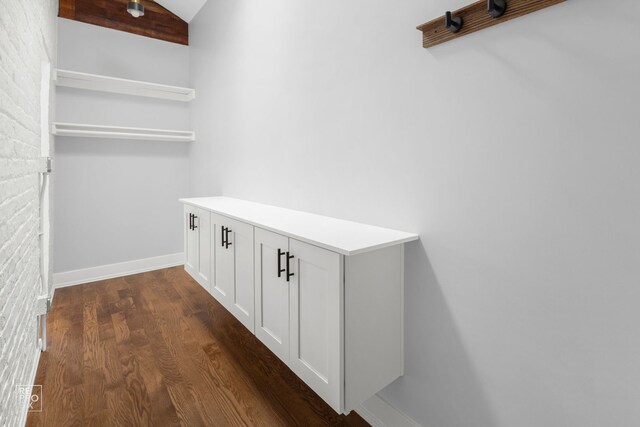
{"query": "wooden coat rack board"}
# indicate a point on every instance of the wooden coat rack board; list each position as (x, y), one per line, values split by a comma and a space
(476, 17)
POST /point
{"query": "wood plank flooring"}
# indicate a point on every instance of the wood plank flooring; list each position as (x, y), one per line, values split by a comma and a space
(155, 349)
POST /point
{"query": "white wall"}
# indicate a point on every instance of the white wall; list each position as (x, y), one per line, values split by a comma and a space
(513, 152)
(116, 200)
(27, 42)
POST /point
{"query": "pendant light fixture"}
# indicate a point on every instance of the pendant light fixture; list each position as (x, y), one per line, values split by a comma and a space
(135, 8)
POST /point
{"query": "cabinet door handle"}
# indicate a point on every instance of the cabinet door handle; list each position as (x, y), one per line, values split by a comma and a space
(227, 242)
(280, 269)
(194, 222)
(190, 221)
(222, 228)
(289, 275)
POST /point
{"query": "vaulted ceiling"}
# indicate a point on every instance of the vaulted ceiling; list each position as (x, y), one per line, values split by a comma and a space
(185, 9)
(165, 19)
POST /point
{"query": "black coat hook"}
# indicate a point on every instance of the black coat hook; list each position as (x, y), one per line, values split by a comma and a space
(452, 23)
(496, 8)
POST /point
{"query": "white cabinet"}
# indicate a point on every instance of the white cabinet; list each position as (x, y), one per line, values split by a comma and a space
(336, 321)
(197, 244)
(315, 319)
(272, 292)
(299, 305)
(191, 242)
(328, 295)
(233, 259)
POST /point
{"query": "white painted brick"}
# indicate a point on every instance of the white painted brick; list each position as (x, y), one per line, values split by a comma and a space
(27, 31)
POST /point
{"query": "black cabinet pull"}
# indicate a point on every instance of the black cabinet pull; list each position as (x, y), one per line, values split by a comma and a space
(227, 242)
(222, 228)
(280, 269)
(194, 221)
(289, 275)
(191, 221)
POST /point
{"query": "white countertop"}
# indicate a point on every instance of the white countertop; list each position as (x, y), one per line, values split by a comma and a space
(344, 237)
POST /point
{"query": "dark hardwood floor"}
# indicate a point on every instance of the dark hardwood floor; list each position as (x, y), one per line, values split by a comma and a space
(155, 349)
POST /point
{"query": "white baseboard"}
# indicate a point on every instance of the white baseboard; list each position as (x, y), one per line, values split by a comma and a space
(109, 271)
(380, 413)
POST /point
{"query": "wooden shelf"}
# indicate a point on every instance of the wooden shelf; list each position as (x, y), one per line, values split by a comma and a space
(75, 79)
(117, 132)
(475, 18)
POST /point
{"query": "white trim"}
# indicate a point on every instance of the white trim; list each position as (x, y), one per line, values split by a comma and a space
(119, 132)
(109, 271)
(34, 372)
(96, 82)
(380, 413)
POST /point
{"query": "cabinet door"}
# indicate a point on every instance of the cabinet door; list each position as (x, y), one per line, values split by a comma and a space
(234, 268)
(316, 319)
(190, 243)
(222, 286)
(240, 242)
(271, 292)
(203, 231)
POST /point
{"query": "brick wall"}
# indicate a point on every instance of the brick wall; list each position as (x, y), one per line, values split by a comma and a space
(27, 38)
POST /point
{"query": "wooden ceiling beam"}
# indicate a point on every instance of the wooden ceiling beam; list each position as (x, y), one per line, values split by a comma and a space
(157, 22)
